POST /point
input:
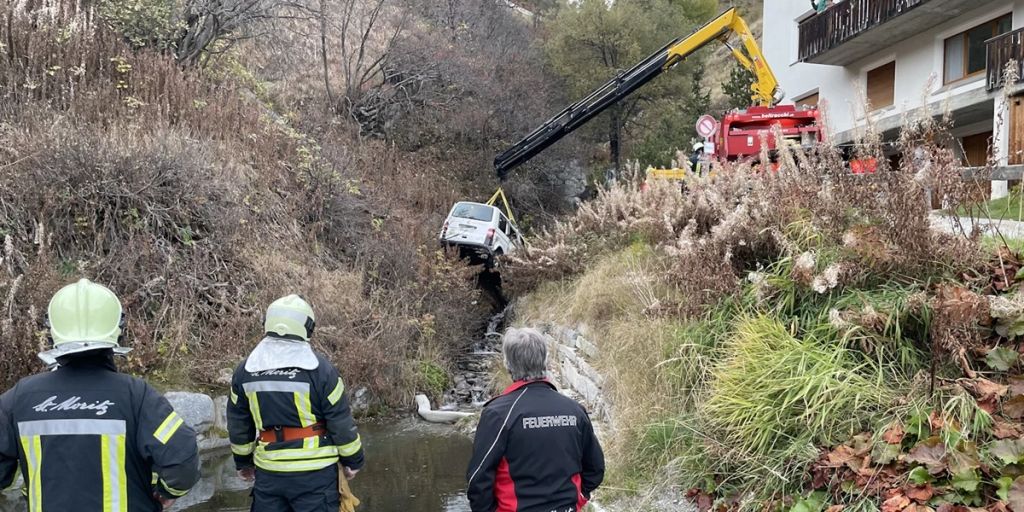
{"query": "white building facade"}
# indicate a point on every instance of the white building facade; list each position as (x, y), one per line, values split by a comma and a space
(879, 61)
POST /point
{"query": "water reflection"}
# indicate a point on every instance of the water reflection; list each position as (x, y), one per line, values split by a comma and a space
(411, 467)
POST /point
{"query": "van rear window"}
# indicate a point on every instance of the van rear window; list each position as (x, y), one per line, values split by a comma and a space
(473, 211)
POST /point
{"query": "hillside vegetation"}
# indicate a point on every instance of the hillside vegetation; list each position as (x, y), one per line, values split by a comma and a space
(797, 340)
(203, 158)
(202, 177)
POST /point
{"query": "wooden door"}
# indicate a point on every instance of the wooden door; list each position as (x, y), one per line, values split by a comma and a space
(1016, 145)
(976, 151)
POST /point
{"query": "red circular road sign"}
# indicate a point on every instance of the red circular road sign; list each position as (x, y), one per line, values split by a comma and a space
(706, 126)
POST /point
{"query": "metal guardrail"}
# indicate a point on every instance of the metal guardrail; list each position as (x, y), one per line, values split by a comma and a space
(844, 21)
(1001, 173)
(1000, 51)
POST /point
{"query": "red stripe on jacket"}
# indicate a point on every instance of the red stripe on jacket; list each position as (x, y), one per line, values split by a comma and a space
(581, 501)
(505, 489)
(520, 383)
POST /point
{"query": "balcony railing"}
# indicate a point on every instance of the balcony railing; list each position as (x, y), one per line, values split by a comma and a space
(843, 21)
(1002, 50)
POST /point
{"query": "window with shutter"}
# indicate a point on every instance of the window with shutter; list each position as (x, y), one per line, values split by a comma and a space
(811, 100)
(882, 86)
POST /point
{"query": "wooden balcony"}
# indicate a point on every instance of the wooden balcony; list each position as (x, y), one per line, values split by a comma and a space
(1000, 51)
(854, 29)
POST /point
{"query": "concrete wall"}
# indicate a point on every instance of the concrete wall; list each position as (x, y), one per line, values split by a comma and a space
(919, 65)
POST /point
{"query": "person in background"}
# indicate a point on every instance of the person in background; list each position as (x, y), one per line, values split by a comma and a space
(289, 419)
(696, 158)
(85, 436)
(535, 449)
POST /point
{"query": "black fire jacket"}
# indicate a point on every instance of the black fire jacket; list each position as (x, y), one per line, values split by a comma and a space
(89, 438)
(535, 451)
(292, 397)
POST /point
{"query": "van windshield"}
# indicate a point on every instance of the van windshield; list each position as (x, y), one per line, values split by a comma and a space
(473, 211)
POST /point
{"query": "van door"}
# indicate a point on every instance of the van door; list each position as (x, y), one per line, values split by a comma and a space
(502, 238)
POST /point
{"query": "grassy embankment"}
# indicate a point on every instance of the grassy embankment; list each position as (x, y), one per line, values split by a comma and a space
(799, 341)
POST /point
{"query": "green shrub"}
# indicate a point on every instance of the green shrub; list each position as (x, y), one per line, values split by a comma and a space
(774, 396)
(433, 378)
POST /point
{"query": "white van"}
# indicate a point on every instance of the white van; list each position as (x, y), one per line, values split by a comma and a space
(480, 231)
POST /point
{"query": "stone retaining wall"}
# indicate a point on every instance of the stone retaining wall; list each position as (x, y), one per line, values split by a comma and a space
(205, 414)
(572, 369)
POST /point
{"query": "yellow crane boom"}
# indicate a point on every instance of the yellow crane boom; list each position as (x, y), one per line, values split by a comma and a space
(765, 90)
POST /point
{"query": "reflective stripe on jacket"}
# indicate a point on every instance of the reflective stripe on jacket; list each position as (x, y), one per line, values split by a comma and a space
(89, 438)
(292, 397)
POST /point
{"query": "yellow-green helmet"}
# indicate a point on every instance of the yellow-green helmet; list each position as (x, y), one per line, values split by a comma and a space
(290, 318)
(83, 316)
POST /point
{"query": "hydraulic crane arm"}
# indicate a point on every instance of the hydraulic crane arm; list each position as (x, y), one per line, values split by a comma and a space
(765, 87)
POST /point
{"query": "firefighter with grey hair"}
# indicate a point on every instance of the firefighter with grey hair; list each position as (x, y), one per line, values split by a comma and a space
(535, 449)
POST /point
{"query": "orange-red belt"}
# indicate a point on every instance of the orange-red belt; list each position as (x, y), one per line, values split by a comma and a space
(282, 434)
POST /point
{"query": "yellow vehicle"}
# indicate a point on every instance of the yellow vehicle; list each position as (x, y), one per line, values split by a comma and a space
(763, 115)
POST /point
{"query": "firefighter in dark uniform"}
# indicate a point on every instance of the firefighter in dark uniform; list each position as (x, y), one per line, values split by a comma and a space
(289, 418)
(535, 449)
(115, 437)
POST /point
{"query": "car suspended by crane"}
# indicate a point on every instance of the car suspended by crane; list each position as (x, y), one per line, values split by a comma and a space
(737, 136)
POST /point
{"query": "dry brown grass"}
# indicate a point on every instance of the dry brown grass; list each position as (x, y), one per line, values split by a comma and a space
(746, 218)
(198, 205)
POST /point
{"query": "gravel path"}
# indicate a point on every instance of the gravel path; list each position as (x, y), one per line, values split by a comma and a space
(1008, 228)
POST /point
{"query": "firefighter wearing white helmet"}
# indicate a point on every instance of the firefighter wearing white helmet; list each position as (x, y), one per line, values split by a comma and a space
(289, 418)
(120, 439)
(696, 157)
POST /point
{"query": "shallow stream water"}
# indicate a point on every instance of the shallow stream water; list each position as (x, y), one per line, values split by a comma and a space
(411, 466)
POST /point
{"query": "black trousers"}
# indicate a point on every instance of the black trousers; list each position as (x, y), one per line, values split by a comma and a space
(307, 491)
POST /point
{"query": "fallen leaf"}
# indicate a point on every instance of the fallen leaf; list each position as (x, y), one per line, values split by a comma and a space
(1003, 490)
(894, 435)
(840, 456)
(1001, 358)
(1006, 430)
(704, 502)
(1014, 408)
(964, 458)
(967, 481)
(920, 475)
(896, 503)
(920, 493)
(810, 503)
(998, 506)
(984, 389)
(835, 508)
(1016, 498)
(885, 453)
(1017, 385)
(914, 507)
(931, 453)
(861, 444)
(936, 421)
(949, 507)
(1008, 451)
(989, 406)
